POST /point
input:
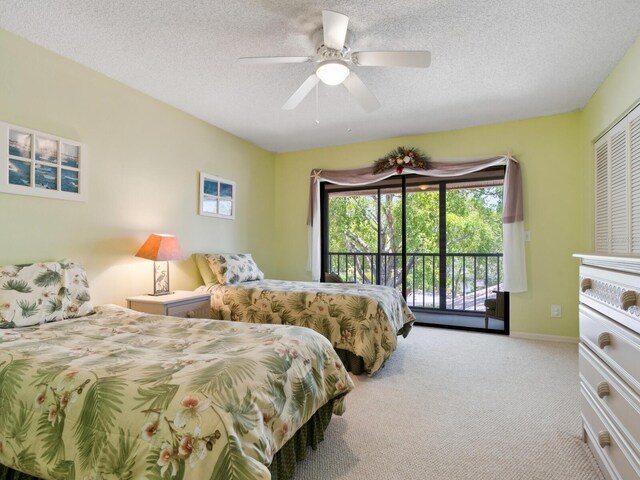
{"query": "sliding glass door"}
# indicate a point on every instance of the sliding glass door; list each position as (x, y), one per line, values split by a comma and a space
(423, 244)
(352, 240)
(364, 234)
(473, 244)
(439, 242)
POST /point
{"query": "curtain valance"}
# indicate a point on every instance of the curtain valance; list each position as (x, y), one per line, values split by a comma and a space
(515, 277)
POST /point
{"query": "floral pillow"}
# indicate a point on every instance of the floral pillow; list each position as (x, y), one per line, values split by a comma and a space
(42, 292)
(76, 299)
(234, 268)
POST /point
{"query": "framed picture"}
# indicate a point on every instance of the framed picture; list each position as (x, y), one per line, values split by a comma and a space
(217, 196)
(40, 164)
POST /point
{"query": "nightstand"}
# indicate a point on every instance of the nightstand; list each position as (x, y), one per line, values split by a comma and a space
(177, 304)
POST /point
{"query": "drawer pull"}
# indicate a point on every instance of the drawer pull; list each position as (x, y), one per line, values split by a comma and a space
(628, 299)
(604, 339)
(585, 284)
(604, 439)
(603, 389)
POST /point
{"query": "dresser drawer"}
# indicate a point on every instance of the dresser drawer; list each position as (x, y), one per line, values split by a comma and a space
(612, 293)
(612, 453)
(184, 308)
(620, 403)
(616, 345)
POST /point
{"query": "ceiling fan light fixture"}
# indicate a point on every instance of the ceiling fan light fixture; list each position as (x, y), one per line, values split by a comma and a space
(332, 72)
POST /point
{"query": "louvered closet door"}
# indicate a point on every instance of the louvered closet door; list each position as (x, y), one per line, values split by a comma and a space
(602, 195)
(619, 191)
(634, 174)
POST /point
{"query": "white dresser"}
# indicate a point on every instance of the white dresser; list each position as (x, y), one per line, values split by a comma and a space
(610, 361)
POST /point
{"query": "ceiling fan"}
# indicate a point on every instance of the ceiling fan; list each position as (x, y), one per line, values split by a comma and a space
(333, 56)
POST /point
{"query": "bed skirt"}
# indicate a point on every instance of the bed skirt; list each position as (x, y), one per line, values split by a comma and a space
(352, 362)
(283, 466)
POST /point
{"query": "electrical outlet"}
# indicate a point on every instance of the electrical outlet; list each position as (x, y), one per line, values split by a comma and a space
(527, 236)
(556, 311)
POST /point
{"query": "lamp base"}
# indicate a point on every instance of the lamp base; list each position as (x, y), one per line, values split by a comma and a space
(159, 294)
(161, 279)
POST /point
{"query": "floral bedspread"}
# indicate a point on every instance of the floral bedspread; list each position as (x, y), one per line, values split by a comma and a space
(125, 395)
(362, 319)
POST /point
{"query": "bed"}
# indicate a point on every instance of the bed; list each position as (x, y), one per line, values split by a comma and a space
(121, 394)
(362, 322)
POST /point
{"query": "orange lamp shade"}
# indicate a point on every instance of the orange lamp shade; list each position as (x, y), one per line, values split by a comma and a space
(160, 248)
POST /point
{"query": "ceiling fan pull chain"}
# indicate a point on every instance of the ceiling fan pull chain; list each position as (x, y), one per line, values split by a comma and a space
(348, 111)
(317, 108)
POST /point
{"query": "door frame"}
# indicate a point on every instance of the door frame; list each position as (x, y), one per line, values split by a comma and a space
(442, 240)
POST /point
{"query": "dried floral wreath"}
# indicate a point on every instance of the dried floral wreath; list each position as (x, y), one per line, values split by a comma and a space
(400, 158)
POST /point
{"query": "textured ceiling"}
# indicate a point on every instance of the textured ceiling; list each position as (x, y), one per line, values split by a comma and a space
(492, 61)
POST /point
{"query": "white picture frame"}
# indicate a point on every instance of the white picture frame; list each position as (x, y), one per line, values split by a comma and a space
(42, 165)
(217, 197)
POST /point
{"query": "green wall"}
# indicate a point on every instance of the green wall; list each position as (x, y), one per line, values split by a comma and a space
(144, 161)
(547, 148)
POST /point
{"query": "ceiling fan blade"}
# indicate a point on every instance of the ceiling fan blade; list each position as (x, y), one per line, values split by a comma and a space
(419, 59)
(302, 91)
(268, 60)
(334, 26)
(361, 93)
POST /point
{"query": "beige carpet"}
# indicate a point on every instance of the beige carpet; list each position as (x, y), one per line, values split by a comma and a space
(460, 405)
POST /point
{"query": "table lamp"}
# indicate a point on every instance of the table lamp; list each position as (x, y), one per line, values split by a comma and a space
(160, 248)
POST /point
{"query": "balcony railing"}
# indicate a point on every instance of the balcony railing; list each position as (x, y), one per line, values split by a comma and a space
(471, 278)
